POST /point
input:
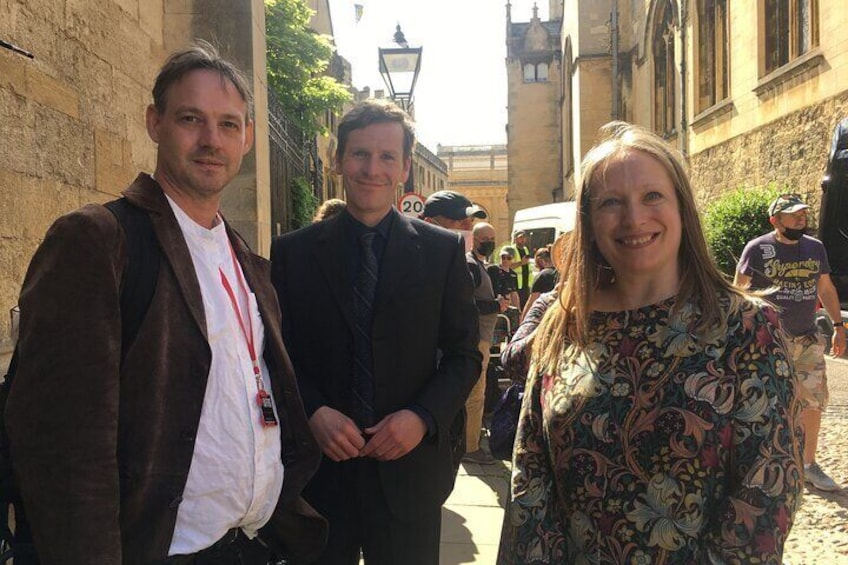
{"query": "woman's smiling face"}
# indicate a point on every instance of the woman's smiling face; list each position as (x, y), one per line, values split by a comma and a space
(635, 218)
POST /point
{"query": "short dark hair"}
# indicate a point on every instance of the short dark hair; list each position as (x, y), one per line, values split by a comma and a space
(508, 251)
(199, 56)
(371, 112)
(543, 253)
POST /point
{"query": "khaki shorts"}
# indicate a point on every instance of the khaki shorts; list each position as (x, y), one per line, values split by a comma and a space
(807, 353)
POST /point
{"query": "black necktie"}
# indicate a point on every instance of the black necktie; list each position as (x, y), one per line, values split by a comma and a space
(363, 309)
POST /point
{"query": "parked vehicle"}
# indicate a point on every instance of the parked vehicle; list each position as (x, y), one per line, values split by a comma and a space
(833, 222)
(543, 224)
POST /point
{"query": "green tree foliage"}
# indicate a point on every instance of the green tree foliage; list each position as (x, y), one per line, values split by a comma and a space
(297, 57)
(735, 218)
(304, 203)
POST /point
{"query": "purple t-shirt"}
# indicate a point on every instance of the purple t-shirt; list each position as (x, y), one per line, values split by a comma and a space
(795, 270)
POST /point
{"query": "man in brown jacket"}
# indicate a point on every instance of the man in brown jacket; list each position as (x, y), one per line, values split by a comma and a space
(175, 450)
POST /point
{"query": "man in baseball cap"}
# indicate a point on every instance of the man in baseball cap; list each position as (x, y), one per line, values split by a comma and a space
(794, 268)
(451, 210)
(786, 204)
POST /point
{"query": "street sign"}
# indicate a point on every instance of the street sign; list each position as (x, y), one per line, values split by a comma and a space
(411, 204)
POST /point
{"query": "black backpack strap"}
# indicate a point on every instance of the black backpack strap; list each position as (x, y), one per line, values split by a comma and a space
(142, 267)
(18, 545)
(8, 489)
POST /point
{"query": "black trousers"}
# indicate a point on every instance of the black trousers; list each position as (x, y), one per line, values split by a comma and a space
(523, 295)
(360, 519)
(232, 549)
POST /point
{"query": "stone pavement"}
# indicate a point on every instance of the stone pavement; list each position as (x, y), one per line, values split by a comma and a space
(820, 532)
(472, 516)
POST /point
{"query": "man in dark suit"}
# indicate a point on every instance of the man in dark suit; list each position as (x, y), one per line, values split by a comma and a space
(380, 321)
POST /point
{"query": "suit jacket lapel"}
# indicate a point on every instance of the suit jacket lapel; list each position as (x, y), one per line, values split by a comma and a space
(145, 193)
(330, 254)
(402, 255)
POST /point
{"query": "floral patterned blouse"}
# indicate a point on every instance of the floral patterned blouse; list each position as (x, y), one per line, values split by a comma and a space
(654, 446)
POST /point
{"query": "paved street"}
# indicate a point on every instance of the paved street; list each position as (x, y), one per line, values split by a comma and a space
(471, 519)
(472, 516)
(820, 533)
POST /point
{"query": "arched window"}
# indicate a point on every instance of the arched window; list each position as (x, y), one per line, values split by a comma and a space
(713, 49)
(665, 75)
(542, 72)
(791, 29)
(529, 72)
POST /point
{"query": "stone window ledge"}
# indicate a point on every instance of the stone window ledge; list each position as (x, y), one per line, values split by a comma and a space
(713, 112)
(806, 62)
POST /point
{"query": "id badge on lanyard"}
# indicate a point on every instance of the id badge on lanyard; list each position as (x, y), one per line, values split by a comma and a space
(263, 399)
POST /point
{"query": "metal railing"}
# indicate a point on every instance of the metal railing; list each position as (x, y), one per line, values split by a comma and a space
(291, 155)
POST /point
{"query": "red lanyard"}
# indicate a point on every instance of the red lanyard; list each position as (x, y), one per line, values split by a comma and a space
(263, 399)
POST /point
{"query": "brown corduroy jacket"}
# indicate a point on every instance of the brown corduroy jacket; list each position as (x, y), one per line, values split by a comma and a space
(102, 448)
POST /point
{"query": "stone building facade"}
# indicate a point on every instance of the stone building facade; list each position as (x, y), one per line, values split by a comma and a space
(480, 172)
(429, 171)
(534, 117)
(749, 91)
(73, 114)
(339, 69)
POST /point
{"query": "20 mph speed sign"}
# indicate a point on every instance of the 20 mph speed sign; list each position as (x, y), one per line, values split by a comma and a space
(411, 204)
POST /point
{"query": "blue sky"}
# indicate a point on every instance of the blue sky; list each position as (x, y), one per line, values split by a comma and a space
(460, 98)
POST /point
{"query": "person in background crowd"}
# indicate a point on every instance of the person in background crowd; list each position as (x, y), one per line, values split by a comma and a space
(794, 268)
(504, 279)
(521, 267)
(174, 450)
(515, 358)
(505, 283)
(451, 210)
(329, 209)
(488, 306)
(660, 422)
(379, 315)
(545, 280)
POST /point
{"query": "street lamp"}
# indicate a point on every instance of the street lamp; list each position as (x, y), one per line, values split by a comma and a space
(399, 67)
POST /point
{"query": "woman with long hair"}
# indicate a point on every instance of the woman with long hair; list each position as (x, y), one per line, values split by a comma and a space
(659, 423)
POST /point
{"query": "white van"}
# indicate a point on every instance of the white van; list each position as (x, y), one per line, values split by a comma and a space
(543, 224)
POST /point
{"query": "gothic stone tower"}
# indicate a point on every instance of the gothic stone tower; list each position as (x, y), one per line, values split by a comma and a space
(534, 123)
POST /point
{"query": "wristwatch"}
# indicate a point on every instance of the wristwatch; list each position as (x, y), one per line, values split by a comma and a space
(839, 324)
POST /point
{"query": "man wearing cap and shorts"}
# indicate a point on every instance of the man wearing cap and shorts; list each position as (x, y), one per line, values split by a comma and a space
(796, 266)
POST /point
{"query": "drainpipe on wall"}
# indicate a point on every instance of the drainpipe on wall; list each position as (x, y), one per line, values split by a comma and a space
(684, 122)
(614, 114)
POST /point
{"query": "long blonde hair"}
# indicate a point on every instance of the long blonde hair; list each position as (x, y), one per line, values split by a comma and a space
(567, 320)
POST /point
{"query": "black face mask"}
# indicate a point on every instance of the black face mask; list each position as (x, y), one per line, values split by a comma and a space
(792, 234)
(485, 248)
